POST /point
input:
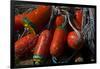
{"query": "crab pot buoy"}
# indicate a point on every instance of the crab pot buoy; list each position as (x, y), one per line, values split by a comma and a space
(74, 41)
(36, 18)
(78, 18)
(41, 52)
(24, 45)
(57, 44)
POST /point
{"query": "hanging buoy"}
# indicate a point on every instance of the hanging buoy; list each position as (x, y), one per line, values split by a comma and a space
(74, 38)
(57, 44)
(78, 19)
(38, 17)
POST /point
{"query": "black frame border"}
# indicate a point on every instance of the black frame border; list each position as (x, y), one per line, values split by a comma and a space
(12, 8)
